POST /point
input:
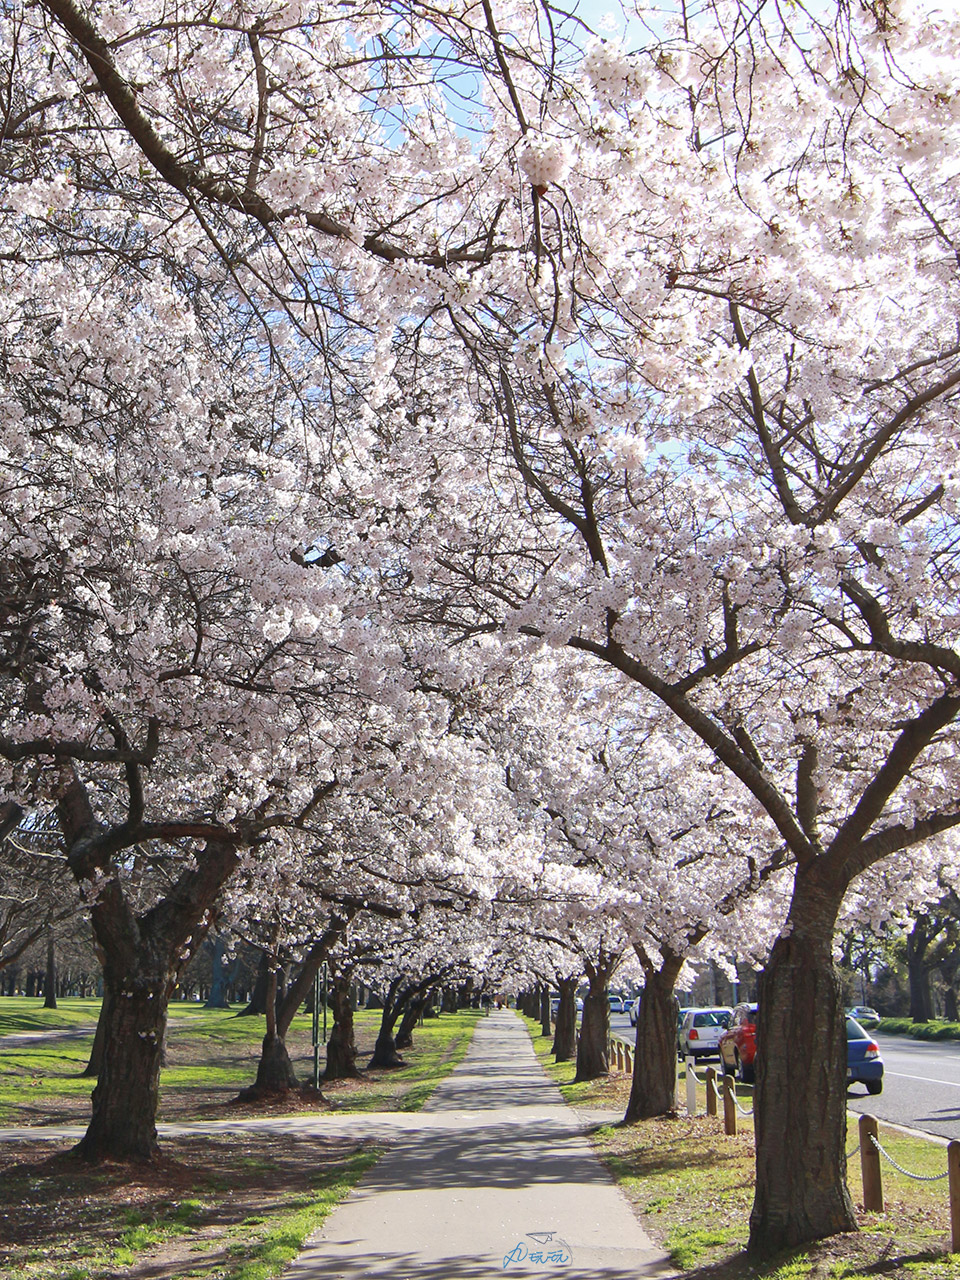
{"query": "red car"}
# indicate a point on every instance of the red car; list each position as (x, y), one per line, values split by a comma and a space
(738, 1044)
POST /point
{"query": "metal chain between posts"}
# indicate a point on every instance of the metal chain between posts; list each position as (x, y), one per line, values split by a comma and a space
(917, 1177)
(732, 1090)
(693, 1072)
(743, 1110)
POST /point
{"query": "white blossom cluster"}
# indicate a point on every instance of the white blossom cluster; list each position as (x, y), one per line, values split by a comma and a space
(544, 160)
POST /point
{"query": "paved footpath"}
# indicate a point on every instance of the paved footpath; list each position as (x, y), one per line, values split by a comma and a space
(497, 1178)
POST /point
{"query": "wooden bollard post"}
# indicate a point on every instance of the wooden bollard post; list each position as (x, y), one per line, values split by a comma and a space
(711, 1091)
(953, 1168)
(619, 1055)
(870, 1166)
(628, 1060)
(729, 1106)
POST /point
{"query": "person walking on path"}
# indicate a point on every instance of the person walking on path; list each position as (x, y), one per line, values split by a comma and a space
(499, 1180)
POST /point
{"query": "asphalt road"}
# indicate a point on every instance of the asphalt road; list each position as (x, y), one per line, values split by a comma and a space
(921, 1085)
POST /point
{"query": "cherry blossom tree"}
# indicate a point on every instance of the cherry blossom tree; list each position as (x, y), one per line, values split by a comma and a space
(658, 367)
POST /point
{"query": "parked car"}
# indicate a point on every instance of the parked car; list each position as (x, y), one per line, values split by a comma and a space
(738, 1050)
(634, 1011)
(616, 1004)
(555, 1005)
(864, 1064)
(700, 1031)
(867, 1017)
(738, 1044)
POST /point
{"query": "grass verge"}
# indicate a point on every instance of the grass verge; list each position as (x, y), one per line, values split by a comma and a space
(194, 1215)
(936, 1030)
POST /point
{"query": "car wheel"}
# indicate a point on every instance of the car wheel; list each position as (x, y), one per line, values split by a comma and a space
(743, 1072)
(874, 1086)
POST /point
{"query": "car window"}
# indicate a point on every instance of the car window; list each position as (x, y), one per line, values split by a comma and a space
(707, 1020)
(855, 1031)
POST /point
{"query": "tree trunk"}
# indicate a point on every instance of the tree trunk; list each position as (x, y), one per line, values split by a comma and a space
(50, 978)
(342, 1046)
(411, 1016)
(565, 1031)
(134, 1015)
(217, 999)
(918, 974)
(653, 1091)
(801, 1090)
(385, 1050)
(593, 1058)
(950, 1008)
(545, 1010)
(275, 1073)
(143, 955)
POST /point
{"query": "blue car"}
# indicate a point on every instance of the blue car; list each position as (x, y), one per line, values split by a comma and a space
(864, 1064)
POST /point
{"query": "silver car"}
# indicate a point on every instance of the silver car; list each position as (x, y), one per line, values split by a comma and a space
(700, 1030)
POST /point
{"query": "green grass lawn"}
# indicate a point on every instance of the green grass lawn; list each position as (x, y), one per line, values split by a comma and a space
(25, 1014)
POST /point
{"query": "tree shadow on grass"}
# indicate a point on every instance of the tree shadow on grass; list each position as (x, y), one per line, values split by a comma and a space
(844, 1255)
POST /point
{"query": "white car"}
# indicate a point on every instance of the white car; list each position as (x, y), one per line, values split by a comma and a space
(700, 1031)
(634, 1011)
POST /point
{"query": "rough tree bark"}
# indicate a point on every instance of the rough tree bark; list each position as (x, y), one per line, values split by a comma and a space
(342, 1046)
(275, 1073)
(653, 1089)
(385, 1050)
(545, 1009)
(411, 1016)
(593, 1055)
(801, 1192)
(565, 1031)
(918, 970)
(217, 999)
(399, 996)
(257, 1004)
(92, 1069)
(50, 975)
